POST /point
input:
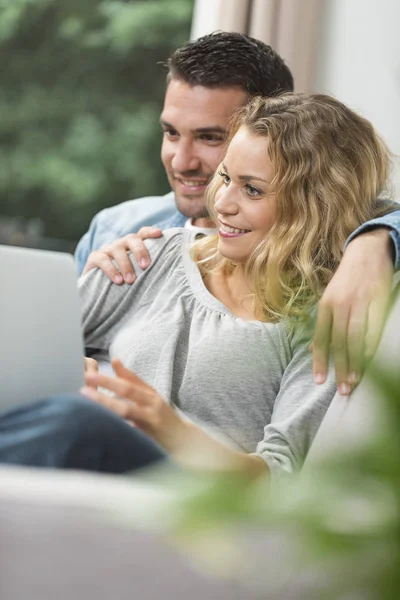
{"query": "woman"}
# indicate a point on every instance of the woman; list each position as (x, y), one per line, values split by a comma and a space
(218, 327)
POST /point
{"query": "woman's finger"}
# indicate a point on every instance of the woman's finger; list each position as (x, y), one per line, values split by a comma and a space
(116, 405)
(91, 365)
(123, 388)
(125, 373)
(138, 416)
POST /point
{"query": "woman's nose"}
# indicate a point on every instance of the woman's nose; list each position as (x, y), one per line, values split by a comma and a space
(225, 201)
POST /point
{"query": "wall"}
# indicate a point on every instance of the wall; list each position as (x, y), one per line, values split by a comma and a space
(359, 62)
(205, 17)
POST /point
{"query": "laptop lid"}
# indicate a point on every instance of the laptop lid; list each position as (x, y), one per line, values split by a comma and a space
(41, 344)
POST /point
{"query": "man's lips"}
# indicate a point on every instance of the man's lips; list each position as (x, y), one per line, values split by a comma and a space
(192, 185)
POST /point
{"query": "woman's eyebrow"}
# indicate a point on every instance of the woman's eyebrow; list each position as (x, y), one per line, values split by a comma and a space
(247, 177)
(252, 178)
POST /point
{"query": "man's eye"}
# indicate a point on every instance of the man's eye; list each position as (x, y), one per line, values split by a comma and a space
(170, 133)
(225, 177)
(211, 138)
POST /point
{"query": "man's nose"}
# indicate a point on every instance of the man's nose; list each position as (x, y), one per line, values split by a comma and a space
(185, 158)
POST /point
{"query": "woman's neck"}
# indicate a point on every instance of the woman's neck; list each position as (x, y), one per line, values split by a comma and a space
(234, 291)
(238, 283)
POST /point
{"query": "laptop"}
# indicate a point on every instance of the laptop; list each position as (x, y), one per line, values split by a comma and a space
(41, 342)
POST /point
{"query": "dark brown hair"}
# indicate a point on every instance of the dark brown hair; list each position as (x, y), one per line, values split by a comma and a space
(223, 59)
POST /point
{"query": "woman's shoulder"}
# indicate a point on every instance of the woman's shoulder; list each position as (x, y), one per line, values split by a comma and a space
(168, 248)
(170, 238)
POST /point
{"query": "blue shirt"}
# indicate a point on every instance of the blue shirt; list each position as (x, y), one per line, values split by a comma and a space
(113, 223)
(160, 211)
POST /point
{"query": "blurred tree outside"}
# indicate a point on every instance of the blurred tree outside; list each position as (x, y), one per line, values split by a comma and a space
(82, 90)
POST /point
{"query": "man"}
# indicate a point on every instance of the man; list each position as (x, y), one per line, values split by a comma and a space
(207, 80)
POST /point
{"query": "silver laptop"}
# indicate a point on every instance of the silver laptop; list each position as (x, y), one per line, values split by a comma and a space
(41, 344)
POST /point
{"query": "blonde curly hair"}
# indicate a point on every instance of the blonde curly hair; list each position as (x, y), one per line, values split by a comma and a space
(331, 167)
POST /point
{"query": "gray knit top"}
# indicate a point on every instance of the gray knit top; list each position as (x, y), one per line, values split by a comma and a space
(248, 382)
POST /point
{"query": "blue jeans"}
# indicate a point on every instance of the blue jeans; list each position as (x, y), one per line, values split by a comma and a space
(70, 432)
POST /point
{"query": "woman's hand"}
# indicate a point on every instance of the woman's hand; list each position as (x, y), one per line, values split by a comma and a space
(140, 404)
(143, 407)
(91, 365)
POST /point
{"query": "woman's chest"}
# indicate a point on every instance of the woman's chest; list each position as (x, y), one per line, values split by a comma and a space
(182, 348)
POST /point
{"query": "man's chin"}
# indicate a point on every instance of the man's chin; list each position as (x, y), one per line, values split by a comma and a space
(191, 206)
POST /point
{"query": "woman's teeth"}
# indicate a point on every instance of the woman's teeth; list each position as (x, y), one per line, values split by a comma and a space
(233, 229)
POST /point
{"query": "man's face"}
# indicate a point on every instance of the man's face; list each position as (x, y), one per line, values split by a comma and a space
(194, 121)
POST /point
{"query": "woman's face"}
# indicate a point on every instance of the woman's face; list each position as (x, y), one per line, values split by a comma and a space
(245, 210)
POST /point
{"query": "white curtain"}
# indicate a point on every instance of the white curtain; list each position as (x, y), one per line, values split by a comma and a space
(289, 26)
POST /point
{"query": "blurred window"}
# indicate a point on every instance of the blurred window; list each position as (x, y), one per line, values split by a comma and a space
(82, 90)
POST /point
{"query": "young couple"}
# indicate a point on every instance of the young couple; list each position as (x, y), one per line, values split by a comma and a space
(217, 329)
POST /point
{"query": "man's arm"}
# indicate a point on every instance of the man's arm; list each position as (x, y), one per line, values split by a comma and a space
(352, 311)
(128, 217)
(391, 224)
(113, 259)
(85, 245)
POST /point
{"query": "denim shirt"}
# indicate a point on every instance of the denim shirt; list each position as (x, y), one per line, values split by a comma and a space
(160, 211)
(113, 223)
(391, 222)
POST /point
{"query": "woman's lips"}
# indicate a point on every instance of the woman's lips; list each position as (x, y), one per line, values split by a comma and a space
(227, 231)
(225, 234)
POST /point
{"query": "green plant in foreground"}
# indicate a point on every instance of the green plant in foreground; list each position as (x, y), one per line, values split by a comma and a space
(337, 523)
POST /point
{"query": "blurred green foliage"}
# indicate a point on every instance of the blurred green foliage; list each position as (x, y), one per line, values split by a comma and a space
(82, 90)
(339, 518)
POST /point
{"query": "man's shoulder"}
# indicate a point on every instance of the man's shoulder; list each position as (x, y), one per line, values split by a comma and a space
(128, 217)
(131, 215)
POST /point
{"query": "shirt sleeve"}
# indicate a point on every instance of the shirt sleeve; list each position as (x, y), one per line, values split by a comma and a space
(105, 228)
(392, 222)
(104, 307)
(128, 217)
(86, 245)
(299, 409)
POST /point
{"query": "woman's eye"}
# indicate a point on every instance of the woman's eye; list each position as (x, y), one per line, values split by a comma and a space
(252, 191)
(225, 177)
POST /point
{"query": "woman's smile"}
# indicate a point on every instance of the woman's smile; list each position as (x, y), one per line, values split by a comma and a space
(228, 231)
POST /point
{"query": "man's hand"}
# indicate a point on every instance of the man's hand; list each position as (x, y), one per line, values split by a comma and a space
(118, 251)
(352, 311)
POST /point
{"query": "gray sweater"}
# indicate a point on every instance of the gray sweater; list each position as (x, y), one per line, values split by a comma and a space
(248, 382)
